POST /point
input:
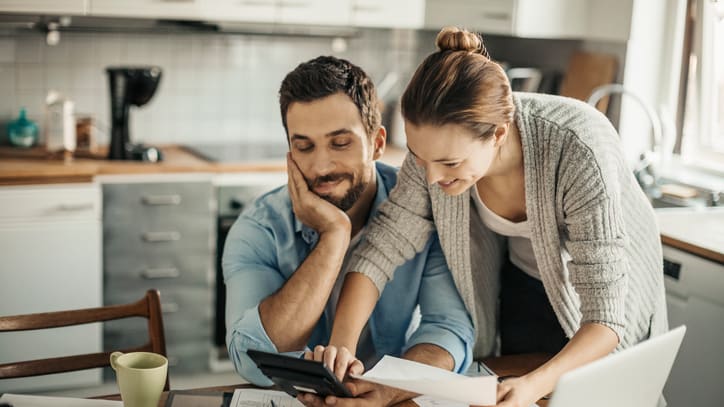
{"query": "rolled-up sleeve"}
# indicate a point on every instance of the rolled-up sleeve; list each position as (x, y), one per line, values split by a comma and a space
(444, 321)
(250, 275)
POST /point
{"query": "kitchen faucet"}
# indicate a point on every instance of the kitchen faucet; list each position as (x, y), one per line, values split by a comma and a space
(644, 170)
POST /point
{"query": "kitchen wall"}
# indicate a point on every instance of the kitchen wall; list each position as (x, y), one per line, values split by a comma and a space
(216, 88)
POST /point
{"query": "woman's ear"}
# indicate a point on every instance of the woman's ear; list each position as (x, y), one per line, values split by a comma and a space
(379, 141)
(501, 134)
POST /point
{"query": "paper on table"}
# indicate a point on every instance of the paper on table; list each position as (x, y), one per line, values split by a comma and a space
(22, 400)
(427, 401)
(432, 381)
(263, 398)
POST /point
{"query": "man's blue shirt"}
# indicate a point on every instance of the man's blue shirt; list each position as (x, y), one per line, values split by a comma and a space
(266, 245)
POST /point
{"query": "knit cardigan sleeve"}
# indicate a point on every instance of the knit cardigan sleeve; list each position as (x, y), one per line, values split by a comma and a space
(596, 238)
(400, 229)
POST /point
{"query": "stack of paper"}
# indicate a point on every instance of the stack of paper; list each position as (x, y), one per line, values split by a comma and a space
(432, 381)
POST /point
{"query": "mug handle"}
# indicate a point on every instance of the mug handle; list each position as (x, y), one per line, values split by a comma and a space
(115, 356)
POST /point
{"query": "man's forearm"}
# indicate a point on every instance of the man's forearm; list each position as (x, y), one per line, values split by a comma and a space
(289, 315)
(428, 354)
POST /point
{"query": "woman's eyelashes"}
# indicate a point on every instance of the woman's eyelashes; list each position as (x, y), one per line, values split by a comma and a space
(451, 165)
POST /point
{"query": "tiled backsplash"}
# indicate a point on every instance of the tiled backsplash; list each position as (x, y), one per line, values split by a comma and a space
(215, 88)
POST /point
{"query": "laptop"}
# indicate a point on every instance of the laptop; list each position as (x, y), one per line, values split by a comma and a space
(633, 377)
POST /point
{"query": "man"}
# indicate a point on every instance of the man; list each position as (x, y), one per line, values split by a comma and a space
(284, 259)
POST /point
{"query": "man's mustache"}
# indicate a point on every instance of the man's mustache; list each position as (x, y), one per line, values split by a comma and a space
(329, 178)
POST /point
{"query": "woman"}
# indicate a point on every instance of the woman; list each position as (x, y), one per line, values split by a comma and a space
(542, 223)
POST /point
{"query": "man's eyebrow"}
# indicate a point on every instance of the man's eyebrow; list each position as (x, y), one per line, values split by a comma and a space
(338, 132)
(297, 136)
(439, 160)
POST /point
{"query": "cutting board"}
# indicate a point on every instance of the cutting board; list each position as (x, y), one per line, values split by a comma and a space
(585, 72)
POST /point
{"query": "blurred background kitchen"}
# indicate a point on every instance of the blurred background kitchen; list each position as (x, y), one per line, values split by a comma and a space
(205, 138)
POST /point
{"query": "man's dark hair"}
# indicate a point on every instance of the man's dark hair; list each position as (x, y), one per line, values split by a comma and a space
(324, 76)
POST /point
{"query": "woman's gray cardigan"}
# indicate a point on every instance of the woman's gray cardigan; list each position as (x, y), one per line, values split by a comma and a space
(580, 194)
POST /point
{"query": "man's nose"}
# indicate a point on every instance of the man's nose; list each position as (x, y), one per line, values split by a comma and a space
(324, 163)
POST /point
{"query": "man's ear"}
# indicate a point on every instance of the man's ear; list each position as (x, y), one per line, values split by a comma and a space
(379, 141)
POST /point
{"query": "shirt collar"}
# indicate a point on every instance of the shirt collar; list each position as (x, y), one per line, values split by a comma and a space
(310, 235)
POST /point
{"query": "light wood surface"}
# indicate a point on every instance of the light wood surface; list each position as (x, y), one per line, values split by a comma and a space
(33, 166)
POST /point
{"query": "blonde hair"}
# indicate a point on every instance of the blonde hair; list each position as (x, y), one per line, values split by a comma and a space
(459, 84)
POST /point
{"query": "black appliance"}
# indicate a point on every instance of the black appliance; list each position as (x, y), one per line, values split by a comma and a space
(130, 86)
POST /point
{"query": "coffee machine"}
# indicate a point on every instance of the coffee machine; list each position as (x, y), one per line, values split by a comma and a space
(130, 86)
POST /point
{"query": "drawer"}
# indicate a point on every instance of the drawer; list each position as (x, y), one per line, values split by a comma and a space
(160, 269)
(157, 199)
(195, 300)
(50, 202)
(185, 233)
(133, 332)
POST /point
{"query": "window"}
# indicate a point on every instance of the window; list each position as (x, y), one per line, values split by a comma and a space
(703, 126)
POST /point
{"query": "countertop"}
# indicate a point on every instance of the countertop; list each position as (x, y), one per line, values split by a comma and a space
(33, 166)
(697, 231)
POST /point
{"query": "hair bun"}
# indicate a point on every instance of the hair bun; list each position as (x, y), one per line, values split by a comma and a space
(457, 39)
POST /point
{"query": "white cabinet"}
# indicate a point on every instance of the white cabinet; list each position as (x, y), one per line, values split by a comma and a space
(315, 12)
(168, 9)
(522, 18)
(383, 13)
(50, 251)
(66, 7)
(261, 11)
(694, 288)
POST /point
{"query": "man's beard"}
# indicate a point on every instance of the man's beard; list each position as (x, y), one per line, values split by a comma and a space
(350, 197)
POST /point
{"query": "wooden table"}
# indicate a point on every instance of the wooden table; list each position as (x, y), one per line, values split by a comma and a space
(514, 365)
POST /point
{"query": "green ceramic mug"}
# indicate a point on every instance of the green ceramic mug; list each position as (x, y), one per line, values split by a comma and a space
(141, 377)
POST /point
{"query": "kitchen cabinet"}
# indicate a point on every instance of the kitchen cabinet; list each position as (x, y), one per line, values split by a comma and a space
(382, 13)
(50, 245)
(260, 11)
(694, 288)
(315, 12)
(522, 18)
(167, 9)
(161, 234)
(65, 7)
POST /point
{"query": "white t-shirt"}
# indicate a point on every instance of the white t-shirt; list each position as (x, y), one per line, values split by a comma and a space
(519, 245)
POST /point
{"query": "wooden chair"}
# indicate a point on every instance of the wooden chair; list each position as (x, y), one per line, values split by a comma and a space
(148, 307)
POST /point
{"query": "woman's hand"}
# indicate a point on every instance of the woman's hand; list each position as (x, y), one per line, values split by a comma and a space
(518, 392)
(338, 359)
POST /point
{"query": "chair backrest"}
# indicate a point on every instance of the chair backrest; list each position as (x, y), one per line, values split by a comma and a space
(148, 307)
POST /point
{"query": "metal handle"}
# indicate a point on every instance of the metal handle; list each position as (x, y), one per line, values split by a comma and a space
(160, 272)
(367, 9)
(159, 200)
(496, 16)
(161, 236)
(75, 207)
(294, 4)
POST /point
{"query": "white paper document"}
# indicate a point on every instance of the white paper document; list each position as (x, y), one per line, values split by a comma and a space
(22, 400)
(432, 381)
(262, 398)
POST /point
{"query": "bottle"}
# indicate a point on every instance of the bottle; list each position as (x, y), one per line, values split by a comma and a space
(60, 123)
(22, 132)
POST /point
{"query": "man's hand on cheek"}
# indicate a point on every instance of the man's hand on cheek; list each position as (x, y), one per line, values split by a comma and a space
(312, 210)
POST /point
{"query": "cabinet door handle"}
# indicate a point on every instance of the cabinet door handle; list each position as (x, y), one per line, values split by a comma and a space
(366, 9)
(159, 200)
(496, 16)
(75, 207)
(169, 307)
(161, 236)
(160, 272)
